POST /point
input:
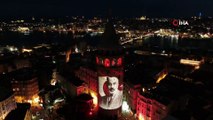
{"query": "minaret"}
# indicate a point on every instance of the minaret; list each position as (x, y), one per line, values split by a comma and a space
(109, 61)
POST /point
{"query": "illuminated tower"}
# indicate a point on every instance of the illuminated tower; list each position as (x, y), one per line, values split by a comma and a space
(109, 60)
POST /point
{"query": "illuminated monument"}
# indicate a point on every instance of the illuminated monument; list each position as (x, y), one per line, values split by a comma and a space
(109, 60)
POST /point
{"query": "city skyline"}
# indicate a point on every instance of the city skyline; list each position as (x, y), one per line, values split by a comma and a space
(106, 60)
(124, 8)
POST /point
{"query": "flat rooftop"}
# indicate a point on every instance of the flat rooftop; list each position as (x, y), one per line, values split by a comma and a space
(5, 93)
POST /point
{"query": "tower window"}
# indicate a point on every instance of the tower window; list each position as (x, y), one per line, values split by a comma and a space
(107, 62)
(119, 63)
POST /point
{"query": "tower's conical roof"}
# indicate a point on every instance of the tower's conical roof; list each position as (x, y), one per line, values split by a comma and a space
(109, 39)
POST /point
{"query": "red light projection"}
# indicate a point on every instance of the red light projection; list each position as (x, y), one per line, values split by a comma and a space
(109, 62)
(90, 113)
(97, 60)
(119, 63)
(113, 62)
(106, 62)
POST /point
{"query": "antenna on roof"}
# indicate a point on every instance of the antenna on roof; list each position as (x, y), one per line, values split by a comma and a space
(109, 14)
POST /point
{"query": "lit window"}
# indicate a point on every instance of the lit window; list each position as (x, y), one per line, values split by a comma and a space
(101, 61)
(106, 62)
(119, 63)
(113, 62)
(97, 60)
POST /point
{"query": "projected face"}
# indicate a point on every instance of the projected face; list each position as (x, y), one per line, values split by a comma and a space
(111, 92)
(112, 84)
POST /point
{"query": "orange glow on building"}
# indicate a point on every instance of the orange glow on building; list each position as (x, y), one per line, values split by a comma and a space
(26, 50)
(68, 55)
(195, 63)
(95, 98)
(161, 75)
(161, 78)
(19, 99)
(190, 62)
(36, 99)
(25, 89)
(141, 117)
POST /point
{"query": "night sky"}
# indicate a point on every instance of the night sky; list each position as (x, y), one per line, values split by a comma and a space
(124, 8)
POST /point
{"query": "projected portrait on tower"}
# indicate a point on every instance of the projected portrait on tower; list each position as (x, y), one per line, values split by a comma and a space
(111, 92)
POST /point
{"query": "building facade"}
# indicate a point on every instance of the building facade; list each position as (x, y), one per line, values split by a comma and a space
(131, 94)
(89, 76)
(25, 89)
(7, 104)
(72, 86)
(150, 109)
(22, 112)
